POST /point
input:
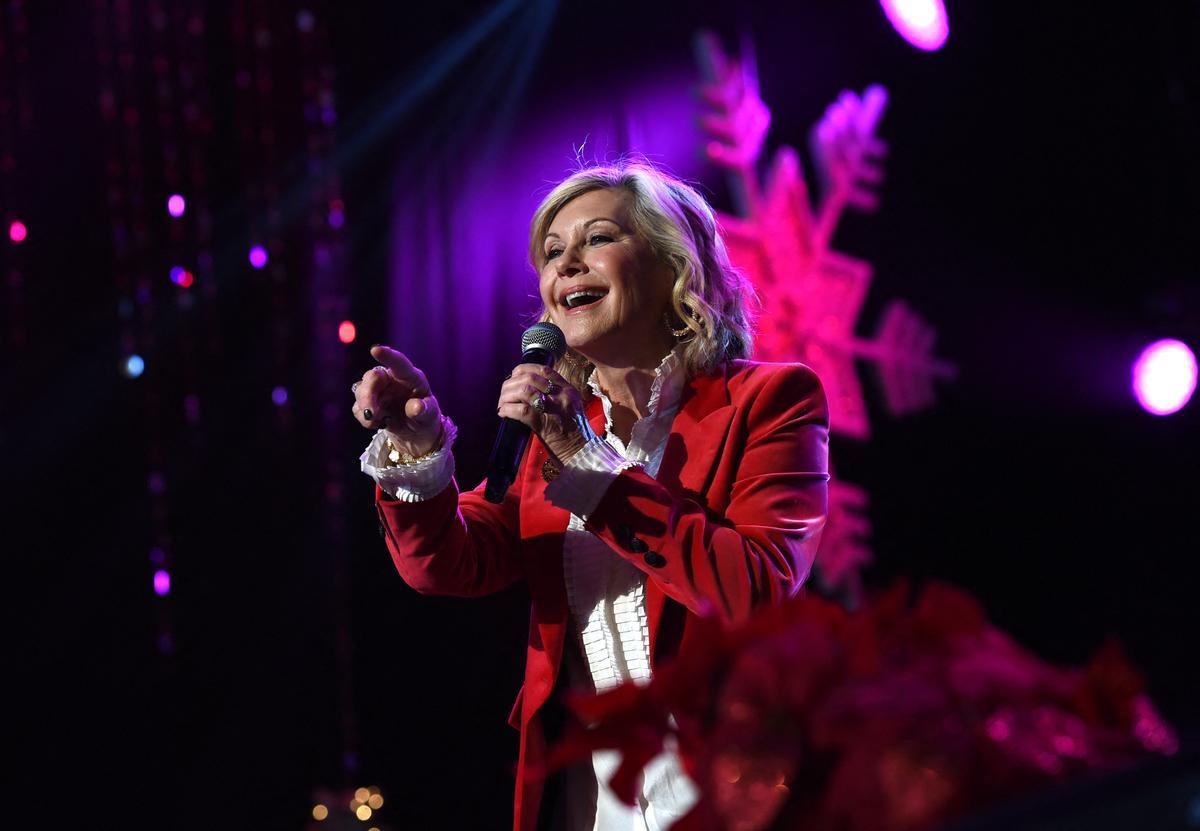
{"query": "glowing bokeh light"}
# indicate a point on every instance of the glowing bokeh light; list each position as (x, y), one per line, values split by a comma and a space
(134, 366)
(347, 332)
(337, 214)
(258, 256)
(1164, 377)
(320, 812)
(180, 276)
(280, 396)
(17, 231)
(922, 23)
(363, 812)
(162, 582)
(176, 205)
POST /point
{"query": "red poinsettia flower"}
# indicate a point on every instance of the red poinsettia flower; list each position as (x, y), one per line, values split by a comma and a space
(896, 717)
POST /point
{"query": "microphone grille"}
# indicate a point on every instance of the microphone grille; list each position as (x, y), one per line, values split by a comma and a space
(546, 336)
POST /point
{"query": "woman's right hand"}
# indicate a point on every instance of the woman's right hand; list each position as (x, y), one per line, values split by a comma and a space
(396, 397)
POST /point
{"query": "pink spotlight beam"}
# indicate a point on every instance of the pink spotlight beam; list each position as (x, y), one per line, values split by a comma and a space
(17, 231)
(922, 23)
(1164, 377)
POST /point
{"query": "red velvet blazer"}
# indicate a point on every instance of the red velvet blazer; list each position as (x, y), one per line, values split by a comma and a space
(731, 522)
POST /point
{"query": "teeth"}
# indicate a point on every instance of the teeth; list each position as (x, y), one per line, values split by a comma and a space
(578, 295)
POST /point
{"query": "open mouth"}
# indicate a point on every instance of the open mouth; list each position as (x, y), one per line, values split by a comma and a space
(583, 297)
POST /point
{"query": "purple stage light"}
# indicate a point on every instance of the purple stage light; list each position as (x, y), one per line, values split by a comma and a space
(17, 231)
(280, 396)
(1164, 377)
(258, 256)
(162, 582)
(922, 23)
(176, 205)
(337, 214)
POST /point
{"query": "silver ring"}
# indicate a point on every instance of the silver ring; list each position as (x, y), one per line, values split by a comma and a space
(552, 388)
(539, 403)
(354, 386)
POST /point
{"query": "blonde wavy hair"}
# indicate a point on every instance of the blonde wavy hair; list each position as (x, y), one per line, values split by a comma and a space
(709, 296)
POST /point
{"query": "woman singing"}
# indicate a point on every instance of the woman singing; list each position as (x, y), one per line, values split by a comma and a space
(673, 477)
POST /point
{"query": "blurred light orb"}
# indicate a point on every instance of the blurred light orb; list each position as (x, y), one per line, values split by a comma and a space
(17, 231)
(320, 812)
(258, 256)
(347, 332)
(337, 214)
(280, 396)
(922, 23)
(176, 205)
(1164, 377)
(162, 582)
(134, 366)
(180, 276)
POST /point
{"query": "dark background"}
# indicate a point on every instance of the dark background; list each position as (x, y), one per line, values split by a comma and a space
(1040, 210)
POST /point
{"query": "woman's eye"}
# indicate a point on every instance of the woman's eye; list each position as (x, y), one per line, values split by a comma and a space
(597, 239)
(552, 253)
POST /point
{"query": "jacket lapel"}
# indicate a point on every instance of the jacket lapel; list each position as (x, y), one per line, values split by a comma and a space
(697, 436)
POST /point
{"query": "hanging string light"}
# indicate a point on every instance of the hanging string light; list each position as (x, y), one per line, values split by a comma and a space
(16, 127)
(332, 331)
(128, 197)
(156, 125)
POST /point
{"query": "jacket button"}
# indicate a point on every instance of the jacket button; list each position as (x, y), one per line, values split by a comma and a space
(382, 532)
(653, 558)
(637, 546)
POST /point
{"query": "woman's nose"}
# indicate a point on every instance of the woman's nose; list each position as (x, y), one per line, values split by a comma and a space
(569, 263)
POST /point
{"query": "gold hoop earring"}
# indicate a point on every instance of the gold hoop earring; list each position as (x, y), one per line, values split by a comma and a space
(680, 334)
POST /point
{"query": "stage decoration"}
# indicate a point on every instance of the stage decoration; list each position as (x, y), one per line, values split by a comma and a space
(138, 304)
(1164, 377)
(16, 130)
(901, 716)
(811, 294)
(332, 333)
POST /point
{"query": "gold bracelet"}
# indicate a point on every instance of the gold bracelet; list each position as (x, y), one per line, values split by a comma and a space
(397, 457)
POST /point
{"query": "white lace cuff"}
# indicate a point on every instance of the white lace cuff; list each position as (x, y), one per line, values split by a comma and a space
(414, 482)
(586, 476)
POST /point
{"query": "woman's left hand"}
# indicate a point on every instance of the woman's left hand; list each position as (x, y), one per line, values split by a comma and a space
(559, 419)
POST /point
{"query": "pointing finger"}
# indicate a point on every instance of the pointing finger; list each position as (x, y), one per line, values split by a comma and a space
(399, 364)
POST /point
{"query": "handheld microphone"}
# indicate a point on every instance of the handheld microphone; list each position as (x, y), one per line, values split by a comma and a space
(542, 343)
